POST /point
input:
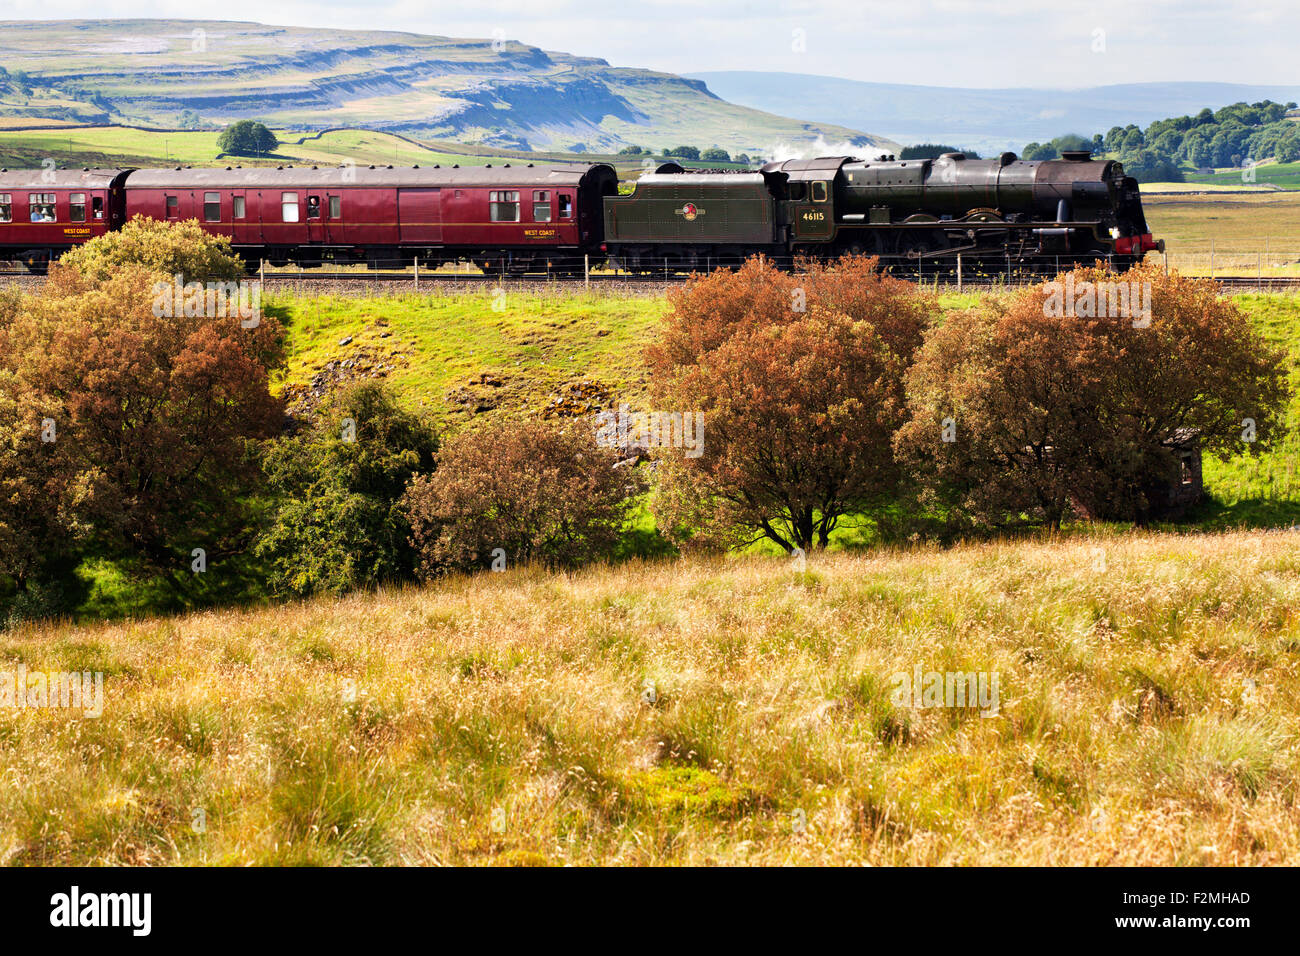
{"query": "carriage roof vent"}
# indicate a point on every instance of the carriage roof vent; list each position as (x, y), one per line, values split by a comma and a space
(372, 165)
(390, 165)
(416, 166)
(85, 169)
(315, 167)
(530, 165)
(455, 165)
(227, 169)
(507, 166)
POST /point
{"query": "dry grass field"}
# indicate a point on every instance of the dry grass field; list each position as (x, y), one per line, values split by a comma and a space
(1249, 233)
(730, 711)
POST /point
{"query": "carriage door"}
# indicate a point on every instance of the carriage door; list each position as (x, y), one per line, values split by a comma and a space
(316, 229)
(419, 214)
(240, 232)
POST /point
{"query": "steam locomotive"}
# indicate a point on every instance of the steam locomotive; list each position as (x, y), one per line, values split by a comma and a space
(528, 218)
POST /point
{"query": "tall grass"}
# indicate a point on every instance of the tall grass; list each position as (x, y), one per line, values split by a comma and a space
(732, 711)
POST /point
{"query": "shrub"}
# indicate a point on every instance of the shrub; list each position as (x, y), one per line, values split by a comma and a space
(337, 524)
(800, 382)
(540, 491)
(169, 248)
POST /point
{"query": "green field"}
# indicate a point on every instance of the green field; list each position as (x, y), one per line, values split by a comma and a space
(1270, 173)
(105, 146)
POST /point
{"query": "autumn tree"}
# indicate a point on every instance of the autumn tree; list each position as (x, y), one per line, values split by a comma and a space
(539, 491)
(800, 381)
(151, 417)
(338, 524)
(1034, 408)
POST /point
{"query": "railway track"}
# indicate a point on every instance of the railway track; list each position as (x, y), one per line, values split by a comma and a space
(645, 281)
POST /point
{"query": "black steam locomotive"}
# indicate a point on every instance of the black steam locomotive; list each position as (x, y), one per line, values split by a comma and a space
(1075, 209)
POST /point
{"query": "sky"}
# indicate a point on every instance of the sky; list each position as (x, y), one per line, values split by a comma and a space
(969, 43)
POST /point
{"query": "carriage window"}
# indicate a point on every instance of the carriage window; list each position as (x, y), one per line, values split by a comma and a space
(288, 207)
(798, 192)
(41, 206)
(819, 192)
(237, 207)
(97, 207)
(173, 207)
(504, 206)
(313, 207)
(336, 207)
(212, 207)
(77, 207)
(566, 206)
(541, 205)
(6, 207)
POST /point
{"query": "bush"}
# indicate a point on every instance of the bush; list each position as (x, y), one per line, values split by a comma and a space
(337, 525)
(539, 491)
(1053, 410)
(800, 383)
(171, 249)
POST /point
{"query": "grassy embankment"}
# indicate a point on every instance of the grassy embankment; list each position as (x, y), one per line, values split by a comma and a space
(452, 354)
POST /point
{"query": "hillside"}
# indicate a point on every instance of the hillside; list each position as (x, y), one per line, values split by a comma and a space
(1146, 713)
(986, 120)
(494, 92)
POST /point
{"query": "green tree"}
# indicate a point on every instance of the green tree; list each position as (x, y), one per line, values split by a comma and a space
(337, 524)
(247, 138)
(715, 155)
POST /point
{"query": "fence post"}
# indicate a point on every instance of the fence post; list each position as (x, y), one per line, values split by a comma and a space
(959, 272)
(261, 272)
(417, 274)
(1211, 258)
(586, 270)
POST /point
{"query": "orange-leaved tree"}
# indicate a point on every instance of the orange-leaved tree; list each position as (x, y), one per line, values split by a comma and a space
(1068, 398)
(799, 378)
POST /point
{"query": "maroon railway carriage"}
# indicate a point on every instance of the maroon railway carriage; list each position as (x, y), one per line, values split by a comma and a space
(517, 218)
(45, 212)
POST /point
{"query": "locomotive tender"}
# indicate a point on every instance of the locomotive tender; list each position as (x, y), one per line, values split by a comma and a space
(524, 218)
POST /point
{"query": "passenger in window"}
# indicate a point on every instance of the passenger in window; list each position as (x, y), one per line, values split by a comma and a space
(313, 207)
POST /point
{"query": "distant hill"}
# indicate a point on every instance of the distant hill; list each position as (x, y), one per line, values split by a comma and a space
(493, 92)
(986, 120)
